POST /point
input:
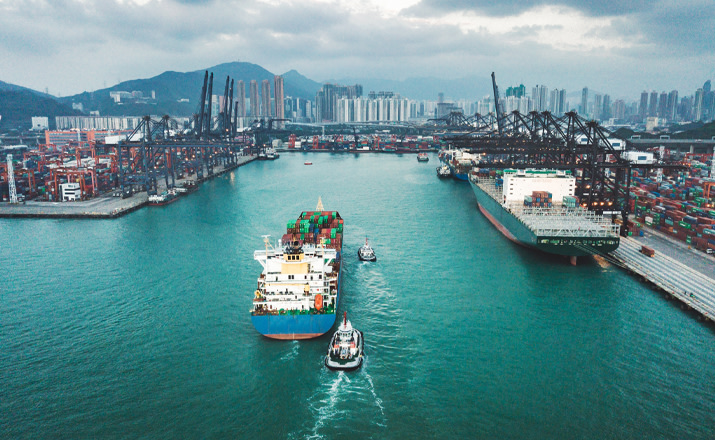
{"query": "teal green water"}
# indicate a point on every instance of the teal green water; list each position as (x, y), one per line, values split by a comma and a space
(139, 327)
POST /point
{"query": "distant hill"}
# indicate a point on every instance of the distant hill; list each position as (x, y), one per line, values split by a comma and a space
(18, 105)
(7, 87)
(177, 93)
(300, 86)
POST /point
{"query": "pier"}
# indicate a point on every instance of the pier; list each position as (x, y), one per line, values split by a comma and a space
(691, 287)
(104, 206)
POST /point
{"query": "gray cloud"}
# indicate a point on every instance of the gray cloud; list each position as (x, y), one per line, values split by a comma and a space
(513, 7)
(70, 45)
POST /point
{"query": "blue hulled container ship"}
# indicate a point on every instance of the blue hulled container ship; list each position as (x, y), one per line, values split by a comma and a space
(298, 291)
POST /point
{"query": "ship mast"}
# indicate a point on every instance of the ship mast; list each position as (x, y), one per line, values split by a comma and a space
(320, 205)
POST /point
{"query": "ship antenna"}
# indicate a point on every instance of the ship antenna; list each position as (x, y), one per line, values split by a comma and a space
(345, 317)
(267, 242)
(320, 205)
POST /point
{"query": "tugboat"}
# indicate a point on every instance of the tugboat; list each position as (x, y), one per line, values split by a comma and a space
(422, 157)
(365, 253)
(444, 171)
(346, 348)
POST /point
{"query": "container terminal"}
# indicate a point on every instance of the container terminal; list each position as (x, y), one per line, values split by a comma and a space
(645, 191)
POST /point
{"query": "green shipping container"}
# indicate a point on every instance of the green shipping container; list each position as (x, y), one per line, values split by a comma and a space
(684, 225)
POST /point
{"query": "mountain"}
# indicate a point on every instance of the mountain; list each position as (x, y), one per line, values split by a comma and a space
(7, 87)
(178, 93)
(300, 86)
(18, 105)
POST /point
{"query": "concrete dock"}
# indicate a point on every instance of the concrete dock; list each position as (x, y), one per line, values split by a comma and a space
(691, 282)
(104, 206)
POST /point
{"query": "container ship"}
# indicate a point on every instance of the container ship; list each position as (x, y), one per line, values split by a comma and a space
(299, 288)
(459, 162)
(538, 209)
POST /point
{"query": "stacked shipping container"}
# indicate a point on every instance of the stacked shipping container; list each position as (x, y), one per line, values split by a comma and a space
(314, 227)
(676, 207)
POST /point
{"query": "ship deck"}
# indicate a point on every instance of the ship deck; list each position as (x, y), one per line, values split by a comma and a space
(557, 221)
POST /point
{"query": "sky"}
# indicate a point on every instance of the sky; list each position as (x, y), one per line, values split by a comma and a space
(620, 47)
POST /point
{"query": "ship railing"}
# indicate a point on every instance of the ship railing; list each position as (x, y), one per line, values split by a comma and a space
(564, 221)
(488, 185)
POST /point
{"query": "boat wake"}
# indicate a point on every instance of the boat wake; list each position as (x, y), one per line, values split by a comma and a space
(378, 401)
(325, 409)
(292, 353)
(338, 398)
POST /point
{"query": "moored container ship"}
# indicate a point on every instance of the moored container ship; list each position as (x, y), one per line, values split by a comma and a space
(298, 291)
(459, 162)
(538, 209)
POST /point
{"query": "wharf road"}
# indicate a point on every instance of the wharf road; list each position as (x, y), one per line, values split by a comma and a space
(103, 206)
(690, 286)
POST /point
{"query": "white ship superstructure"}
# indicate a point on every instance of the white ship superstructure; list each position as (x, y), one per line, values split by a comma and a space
(295, 278)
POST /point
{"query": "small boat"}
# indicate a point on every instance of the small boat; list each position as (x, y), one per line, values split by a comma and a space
(444, 171)
(365, 253)
(422, 157)
(307, 163)
(165, 198)
(346, 347)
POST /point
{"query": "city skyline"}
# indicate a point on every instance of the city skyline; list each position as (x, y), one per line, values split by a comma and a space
(620, 48)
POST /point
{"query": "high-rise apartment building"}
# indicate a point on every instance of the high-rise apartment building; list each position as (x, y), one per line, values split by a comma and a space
(266, 99)
(663, 105)
(698, 105)
(583, 108)
(327, 97)
(672, 108)
(643, 107)
(539, 95)
(255, 103)
(278, 97)
(240, 99)
(619, 109)
(653, 104)
(597, 106)
(606, 110)
(561, 109)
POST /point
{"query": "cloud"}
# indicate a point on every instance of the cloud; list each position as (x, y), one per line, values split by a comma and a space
(73, 45)
(504, 8)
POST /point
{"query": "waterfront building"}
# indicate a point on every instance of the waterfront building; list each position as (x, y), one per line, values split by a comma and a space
(97, 122)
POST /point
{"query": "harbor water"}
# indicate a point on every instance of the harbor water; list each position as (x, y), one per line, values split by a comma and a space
(139, 327)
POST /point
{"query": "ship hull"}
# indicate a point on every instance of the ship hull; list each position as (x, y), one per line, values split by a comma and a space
(512, 228)
(289, 327)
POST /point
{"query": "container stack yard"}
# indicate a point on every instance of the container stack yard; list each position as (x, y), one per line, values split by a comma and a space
(376, 143)
(680, 205)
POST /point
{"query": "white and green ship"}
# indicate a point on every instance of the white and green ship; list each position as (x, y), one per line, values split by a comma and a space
(557, 229)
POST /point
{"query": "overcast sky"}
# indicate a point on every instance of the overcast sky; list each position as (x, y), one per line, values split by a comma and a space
(619, 47)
